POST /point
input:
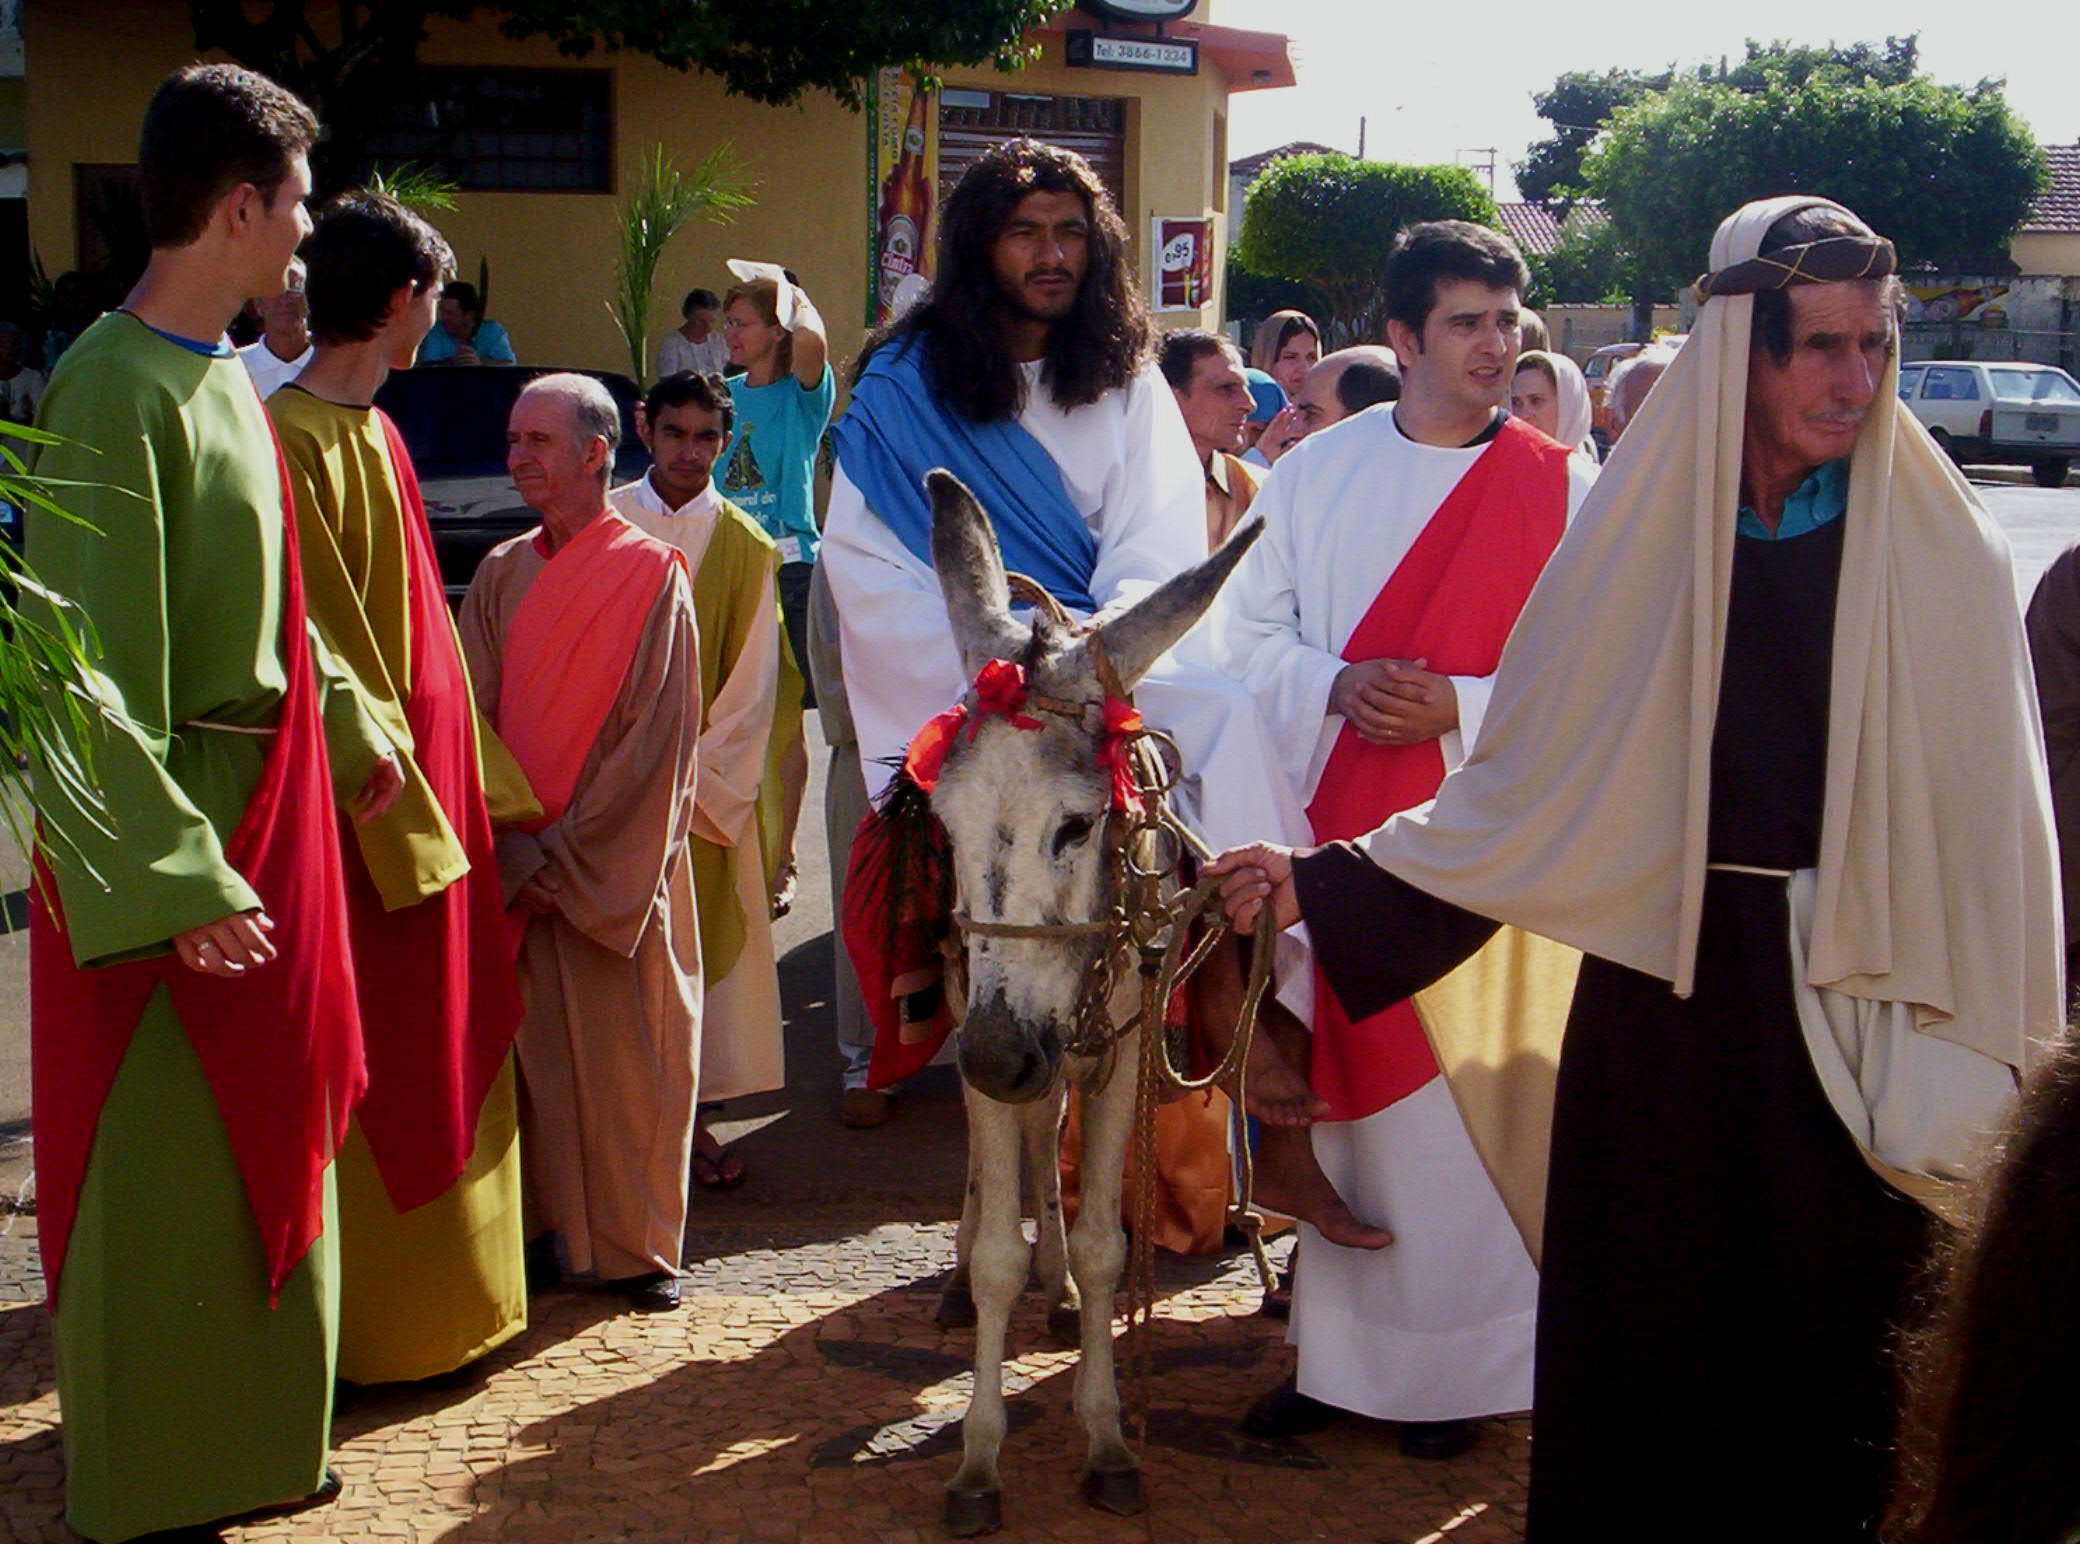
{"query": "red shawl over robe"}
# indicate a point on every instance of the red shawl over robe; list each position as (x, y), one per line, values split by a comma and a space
(1452, 602)
(280, 1046)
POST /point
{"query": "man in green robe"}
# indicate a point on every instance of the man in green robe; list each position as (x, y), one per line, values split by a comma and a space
(684, 423)
(195, 1315)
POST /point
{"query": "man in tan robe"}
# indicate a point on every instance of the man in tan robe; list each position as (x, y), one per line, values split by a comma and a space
(582, 650)
(685, 423)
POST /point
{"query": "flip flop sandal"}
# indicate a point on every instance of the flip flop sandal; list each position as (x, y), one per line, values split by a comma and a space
(712, 1173)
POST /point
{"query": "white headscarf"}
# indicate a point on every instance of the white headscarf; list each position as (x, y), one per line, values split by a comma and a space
(1581, 813)
(1571, 391)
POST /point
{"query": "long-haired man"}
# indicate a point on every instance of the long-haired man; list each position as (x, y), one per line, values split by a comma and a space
(1029, 373)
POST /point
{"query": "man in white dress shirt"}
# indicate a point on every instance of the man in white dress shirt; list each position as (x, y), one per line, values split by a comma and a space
(285, 347)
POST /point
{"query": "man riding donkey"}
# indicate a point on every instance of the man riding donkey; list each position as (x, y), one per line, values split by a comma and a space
(1028, 373)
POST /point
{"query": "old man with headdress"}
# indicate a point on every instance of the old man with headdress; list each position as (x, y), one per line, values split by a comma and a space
(1761, 749)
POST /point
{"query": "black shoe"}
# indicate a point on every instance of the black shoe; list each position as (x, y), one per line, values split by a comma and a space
(1438, 1440)
(1286, 1412)
(656, 1292)
(544, 1270)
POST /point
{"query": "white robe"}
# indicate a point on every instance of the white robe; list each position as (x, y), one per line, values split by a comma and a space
(742, 1050)
(1439, 1325)
(1131, 472)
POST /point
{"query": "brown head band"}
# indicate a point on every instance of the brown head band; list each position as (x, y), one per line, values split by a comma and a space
(1830, 260)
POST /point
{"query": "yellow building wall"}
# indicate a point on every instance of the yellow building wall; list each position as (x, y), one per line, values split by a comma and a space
(2047, 253)
(551, 255)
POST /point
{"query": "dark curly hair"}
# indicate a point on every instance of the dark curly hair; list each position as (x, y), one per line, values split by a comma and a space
(1096, 348)
(1990, 1433)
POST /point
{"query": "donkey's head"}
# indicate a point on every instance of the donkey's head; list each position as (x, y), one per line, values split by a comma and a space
(1029, 811)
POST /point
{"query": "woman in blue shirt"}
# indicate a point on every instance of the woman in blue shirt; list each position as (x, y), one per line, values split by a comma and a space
(782, 403)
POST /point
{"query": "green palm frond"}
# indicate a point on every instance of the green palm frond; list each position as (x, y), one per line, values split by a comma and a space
(421, 189)
(51, 710)
(664, 201)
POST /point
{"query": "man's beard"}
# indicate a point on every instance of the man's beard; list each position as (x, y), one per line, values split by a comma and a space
(1015, 297)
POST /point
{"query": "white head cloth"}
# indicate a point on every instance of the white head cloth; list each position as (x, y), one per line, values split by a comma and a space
(1581, 814)
(1570, 390)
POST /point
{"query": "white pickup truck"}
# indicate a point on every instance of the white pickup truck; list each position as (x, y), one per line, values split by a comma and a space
(1998, 414)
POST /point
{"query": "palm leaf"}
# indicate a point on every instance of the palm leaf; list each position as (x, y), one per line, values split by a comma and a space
(663, 202)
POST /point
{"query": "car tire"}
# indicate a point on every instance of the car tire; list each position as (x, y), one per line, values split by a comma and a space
(1945, 444)
(2050, 474)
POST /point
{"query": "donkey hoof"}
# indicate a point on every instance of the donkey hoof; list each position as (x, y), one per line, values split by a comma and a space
(971, 1513)
(1065, 1324)
(956, 1309)
(1117, 1491)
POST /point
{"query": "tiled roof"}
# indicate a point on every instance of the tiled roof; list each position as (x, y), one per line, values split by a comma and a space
(1250, 165)
(1536, 228)
(2058, 207)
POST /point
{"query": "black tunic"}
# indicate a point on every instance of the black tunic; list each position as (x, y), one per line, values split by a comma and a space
(1722, 1269)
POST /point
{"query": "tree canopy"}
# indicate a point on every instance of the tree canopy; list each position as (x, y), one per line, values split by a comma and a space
(1943, 171)
(1328, 221)
(340, 57)
(1581, 103)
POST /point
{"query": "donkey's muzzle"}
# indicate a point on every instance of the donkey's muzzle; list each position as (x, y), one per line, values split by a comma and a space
(1004, 1059)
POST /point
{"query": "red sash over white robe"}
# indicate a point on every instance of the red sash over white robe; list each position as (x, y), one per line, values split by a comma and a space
(1451, 602)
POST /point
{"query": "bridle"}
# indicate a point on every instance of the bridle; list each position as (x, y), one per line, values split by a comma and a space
(1145, 844)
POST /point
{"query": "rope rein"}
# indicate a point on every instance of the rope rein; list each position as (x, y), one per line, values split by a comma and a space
(1149, 927)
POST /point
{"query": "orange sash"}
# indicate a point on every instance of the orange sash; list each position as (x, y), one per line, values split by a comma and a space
(1452, 602)
(571, 642)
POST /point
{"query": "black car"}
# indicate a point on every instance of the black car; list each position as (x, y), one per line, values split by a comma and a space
(454, 423)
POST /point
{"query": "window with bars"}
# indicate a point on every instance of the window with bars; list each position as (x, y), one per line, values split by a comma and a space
(520, 131)
(971, 122)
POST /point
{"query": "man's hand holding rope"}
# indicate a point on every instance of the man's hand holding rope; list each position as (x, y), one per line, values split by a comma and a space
(1253, 877)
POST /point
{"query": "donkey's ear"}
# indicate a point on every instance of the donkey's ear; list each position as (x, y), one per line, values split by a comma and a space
(971, 573)
(1136, 636)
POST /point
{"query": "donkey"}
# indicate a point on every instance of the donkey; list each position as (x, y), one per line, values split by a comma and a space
(1027, 812)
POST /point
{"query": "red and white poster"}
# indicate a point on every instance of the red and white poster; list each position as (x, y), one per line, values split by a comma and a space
(1184, 263)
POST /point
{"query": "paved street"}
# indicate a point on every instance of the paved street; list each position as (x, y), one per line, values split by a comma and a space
(804, 1392)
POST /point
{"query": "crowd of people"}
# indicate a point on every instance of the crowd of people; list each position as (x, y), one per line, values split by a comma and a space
(1658, 856)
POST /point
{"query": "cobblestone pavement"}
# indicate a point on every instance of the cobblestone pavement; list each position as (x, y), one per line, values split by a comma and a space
(803, 1392)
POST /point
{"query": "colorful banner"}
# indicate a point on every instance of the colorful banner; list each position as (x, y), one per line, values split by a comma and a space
(902, 187)
(1184, 263)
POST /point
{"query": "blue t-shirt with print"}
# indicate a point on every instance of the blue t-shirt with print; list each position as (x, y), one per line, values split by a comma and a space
(768, 469)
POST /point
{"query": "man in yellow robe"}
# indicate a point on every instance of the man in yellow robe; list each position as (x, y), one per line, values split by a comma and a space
(685, 422)
(431, 1272)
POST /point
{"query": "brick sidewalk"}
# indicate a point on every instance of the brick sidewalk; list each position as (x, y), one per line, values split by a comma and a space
(804, 1393)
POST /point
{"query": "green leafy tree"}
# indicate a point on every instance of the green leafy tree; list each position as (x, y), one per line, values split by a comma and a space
(343, 55)
(1577, 105)
(1589, 266)
(1580, 104)
(1252, 296)
(1941, 170)
(1328, 221)
(662, 204)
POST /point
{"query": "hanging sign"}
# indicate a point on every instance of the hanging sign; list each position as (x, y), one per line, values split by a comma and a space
(1184, 263)
(902, 185)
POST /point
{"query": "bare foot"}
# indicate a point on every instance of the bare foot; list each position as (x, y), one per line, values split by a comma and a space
(1289, 1179)
(1275, 1089)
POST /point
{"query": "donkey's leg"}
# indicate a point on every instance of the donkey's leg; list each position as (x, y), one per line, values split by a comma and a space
(1097, 1249)
(956, 1301)
(997, 1274)
(1040, 1126)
